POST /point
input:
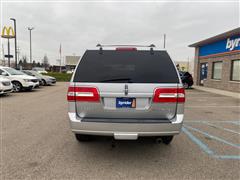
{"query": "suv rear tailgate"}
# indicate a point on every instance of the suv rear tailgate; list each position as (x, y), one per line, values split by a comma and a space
(144, 110)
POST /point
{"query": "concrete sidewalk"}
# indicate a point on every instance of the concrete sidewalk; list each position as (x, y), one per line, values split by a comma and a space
(218, 91)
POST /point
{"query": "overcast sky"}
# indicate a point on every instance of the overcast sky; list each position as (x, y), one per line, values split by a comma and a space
(81, 25)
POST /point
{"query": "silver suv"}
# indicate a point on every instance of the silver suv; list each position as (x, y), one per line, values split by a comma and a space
(126, 93)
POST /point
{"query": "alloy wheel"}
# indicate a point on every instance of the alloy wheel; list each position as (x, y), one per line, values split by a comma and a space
(16, 87)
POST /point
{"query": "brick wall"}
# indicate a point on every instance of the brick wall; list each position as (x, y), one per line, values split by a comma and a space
(225, 83)
(196, 67)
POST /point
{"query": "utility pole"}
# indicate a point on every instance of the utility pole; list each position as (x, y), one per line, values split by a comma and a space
(15, 40)
(30, 31)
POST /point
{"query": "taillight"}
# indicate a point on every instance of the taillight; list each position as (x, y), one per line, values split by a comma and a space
(89, 94)
(181, 95)
(71, 94)
(167, 95)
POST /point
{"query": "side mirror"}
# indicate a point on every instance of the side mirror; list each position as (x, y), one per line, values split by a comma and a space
(4, 74)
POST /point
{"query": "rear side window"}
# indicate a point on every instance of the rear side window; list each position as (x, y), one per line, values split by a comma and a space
(126, 67)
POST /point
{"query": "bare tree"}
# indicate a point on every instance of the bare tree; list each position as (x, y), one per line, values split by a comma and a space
(45, 61)
(24, 61)
(34, 63)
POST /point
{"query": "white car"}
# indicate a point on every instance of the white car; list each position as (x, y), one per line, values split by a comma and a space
(70, 71)
(44, 80)
(40, 70)
(19, 80)
(5, 85)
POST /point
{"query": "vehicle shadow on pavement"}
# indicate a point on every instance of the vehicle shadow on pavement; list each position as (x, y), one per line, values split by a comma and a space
(126, 149)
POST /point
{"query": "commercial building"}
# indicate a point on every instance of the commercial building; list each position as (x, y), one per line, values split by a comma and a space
(71, 62)
(217, 61)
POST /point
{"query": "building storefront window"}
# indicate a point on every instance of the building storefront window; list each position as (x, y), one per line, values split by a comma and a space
(235, 76)
(217, 70)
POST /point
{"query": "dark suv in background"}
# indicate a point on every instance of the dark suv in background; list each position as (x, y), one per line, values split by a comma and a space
(186, 78)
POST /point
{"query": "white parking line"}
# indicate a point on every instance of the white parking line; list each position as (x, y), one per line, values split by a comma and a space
(213, 137)
(212, 106)
(199, 97)
(219, 127)
(236, 122)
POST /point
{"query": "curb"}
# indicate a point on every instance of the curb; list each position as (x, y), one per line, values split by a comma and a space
(218, 91)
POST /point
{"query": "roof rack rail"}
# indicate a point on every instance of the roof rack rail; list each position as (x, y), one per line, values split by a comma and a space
(151, 48)
(100, 48)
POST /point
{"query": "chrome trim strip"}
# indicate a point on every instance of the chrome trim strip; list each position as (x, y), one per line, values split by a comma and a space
(84, 94)
(168, 95)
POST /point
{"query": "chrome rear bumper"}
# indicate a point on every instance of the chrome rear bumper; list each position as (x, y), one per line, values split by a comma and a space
(126, 130)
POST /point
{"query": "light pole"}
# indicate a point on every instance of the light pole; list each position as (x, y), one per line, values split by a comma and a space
(3, 55)
(30, 30)
(15, 40)
(9, 53)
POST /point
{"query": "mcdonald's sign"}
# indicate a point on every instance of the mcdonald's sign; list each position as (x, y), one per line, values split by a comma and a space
(8, 32)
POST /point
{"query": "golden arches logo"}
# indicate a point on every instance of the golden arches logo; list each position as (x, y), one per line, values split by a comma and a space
(8, 32)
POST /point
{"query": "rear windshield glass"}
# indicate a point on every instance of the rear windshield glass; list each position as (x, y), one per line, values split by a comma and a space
(126, 67)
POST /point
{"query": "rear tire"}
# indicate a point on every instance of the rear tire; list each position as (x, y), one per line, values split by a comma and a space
(82, 137)
(185, 85)
(44, 82)
(167, 139)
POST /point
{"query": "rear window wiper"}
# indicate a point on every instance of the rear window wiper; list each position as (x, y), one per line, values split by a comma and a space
(129, 80)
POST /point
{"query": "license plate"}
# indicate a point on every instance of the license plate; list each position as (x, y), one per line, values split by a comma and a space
(126, 102)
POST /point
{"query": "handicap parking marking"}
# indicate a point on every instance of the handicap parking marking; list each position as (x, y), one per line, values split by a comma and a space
(227, 157)
(202, 145)
(187, 128)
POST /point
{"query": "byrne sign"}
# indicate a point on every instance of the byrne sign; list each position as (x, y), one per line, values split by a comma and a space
(222, 46)
(232, 44)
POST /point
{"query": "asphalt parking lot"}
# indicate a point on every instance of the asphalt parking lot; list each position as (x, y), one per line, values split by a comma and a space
(37, 142)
